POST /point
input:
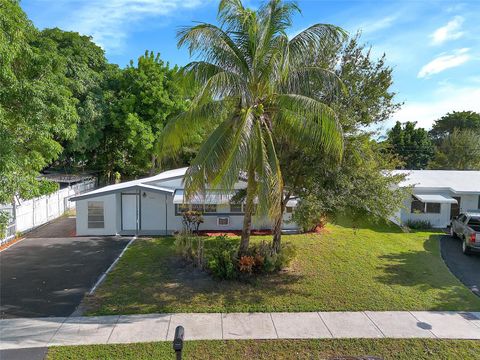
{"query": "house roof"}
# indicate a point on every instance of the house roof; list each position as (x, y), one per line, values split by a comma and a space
(454, 180)
(145, 183)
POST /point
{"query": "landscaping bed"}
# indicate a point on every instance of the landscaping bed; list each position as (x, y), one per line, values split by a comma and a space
(373, 267)
(279, 349)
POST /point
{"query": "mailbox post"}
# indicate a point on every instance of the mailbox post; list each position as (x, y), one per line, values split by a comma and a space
(178, 342)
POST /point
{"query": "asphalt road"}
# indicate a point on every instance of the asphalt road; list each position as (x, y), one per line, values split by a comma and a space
(465, 267)
(49, 272)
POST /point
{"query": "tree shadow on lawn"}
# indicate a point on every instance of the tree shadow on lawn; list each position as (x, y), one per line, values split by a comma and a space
(185, 283)
(366, 223)
(426, 271)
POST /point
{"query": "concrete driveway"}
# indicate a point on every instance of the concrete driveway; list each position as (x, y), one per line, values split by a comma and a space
(465, 267)
(49, 272)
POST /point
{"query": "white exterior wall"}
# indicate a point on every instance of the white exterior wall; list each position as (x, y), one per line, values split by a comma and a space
(153, 217)
(441, 220)
(111, 222)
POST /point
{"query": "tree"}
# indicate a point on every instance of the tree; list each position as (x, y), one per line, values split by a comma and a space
(142, 99)
(412, 145)
(462, 120)
(251, 71)
(358, 187)
(458, 151)
(369, 101)
(37, 110)
(85, 70)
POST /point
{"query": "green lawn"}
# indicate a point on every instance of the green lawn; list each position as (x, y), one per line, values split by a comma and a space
(372, 268)
(278, 349)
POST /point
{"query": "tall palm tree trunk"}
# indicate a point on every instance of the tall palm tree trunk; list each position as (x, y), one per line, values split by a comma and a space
(247, 219)
(277, 226)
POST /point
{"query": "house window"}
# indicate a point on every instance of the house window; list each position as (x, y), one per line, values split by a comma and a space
(181, 208)
(96, 218)
(210, 208)
(236, 208)
(417, 207)
(223, 221)
(433, 208)
(197, 207)
(289, 209)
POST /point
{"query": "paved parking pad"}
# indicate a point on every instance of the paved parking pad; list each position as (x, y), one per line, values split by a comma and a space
(49, 276)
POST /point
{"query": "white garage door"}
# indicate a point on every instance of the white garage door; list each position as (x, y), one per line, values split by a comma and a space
(129, 211)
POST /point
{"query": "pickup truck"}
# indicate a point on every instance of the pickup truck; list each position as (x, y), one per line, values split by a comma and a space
(466, 226)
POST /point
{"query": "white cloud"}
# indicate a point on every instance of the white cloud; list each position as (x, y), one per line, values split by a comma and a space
(445, 61)
(450, 31)
(373, 26)
(446, 99)
(109, 21)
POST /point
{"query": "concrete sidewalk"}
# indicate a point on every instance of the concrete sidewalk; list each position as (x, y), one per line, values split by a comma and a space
(40, 332)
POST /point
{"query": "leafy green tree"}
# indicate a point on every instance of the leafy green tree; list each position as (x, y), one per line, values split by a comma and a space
(85, 69)
(142, 98)
(461, 120)
(37, 109)
(370, 101)
(458, 151)
(412, 145)
(359, 187)
(251, 71)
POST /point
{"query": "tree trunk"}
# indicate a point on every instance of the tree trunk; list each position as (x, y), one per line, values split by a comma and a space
(153, 165)
(277, 226)
(247, 218)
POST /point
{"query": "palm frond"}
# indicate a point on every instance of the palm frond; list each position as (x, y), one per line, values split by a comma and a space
(313, 121)
(222, 156)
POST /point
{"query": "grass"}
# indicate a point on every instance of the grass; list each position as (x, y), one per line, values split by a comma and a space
(370, 268)
(279, 349)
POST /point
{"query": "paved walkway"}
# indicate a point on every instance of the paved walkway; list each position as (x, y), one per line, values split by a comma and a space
(40, 332)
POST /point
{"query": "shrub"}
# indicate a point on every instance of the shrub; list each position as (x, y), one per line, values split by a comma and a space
(191, 221)
(222, 258)
(4, 220)
(246, 264)
(191, 248)
(418, 224)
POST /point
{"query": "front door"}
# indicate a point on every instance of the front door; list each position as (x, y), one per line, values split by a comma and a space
(455, 208)
(129, 211)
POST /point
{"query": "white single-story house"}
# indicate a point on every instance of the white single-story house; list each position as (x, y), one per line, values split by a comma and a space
(439, 195)
(154, 205)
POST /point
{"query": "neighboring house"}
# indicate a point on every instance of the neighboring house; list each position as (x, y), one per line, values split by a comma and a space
(439, 195)
(154, 205)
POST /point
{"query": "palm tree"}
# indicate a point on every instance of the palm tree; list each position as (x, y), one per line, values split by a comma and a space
(261, 84)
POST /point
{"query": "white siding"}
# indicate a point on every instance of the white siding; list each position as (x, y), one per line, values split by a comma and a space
(110, 216)
(467, 202)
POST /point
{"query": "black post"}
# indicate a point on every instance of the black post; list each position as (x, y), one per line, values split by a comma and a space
(178, 341)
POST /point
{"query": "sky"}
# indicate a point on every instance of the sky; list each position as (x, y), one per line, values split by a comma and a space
(432, 45)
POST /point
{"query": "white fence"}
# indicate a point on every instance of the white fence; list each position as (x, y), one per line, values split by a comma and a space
(35, 212)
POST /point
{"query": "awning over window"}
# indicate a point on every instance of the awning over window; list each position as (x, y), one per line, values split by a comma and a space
(209, 198)
(433, 198)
